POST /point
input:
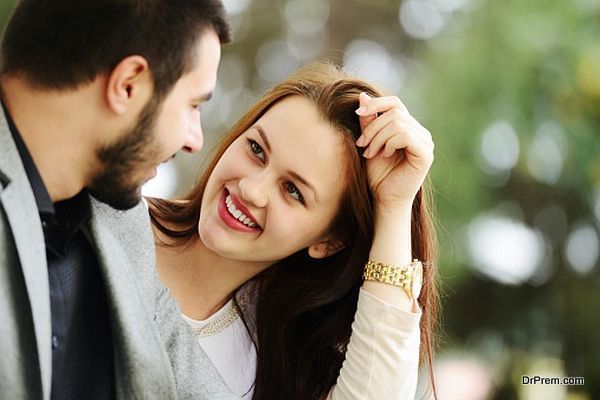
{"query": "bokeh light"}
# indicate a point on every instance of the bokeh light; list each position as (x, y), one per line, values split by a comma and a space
(275, 61)
(421, 19)
(373, 62)
(499, 147)
(582, 248)
(545, 157)
(504, 249)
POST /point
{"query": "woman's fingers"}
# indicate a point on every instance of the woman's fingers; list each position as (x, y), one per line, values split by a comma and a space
(377, 124)
(384, 134)
(370, 108)
(417, 153)
(379, 105)
(423, 134)
(371, 125)
(363, 100)
(395, 143)
(386, 126)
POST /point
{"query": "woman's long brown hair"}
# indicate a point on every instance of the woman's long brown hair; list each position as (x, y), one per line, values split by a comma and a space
(305, 307)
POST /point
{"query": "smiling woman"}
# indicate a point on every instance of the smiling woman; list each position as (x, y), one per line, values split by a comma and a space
(266, 254)
(265, 172)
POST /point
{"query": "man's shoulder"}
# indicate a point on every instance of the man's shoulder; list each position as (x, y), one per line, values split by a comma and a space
(130, 234)
(138, 214)
(130, 227)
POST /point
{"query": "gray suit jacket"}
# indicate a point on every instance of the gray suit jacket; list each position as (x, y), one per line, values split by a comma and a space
(156, 355)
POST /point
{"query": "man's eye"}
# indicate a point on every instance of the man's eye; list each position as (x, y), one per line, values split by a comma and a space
(256, 149)
(294, 192)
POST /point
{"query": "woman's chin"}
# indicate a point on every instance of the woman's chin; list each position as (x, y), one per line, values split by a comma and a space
(217, 241)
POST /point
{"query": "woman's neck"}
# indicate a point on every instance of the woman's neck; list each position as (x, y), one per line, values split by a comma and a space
(200, 280)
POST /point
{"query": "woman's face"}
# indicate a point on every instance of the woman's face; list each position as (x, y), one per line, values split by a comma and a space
(277, 187)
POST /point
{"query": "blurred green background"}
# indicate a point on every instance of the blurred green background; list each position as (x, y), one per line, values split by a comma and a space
(511, 92)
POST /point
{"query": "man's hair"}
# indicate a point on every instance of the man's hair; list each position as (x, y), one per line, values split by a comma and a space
(63, 44)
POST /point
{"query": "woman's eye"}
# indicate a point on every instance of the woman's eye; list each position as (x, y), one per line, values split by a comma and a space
(256, 149)
(294, 192)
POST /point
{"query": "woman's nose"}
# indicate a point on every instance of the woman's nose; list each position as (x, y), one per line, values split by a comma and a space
(254, 189)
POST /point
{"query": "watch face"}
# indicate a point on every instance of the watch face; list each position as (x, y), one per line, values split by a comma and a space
(417, 280)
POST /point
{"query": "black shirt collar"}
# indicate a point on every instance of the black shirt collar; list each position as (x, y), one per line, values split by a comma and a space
(71, 215)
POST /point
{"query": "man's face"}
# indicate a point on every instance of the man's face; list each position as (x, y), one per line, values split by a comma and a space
(162, 129)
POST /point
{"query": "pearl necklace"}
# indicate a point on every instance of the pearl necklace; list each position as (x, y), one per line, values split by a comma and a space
(224, 322)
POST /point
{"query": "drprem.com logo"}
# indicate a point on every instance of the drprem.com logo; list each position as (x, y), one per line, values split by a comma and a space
(541, 380)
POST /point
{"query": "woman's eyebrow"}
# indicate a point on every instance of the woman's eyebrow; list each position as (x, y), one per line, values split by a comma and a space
(305, 183)
(294, 175)
(263, 135)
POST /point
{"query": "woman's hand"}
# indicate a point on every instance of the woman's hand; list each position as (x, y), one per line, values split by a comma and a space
(399, 149)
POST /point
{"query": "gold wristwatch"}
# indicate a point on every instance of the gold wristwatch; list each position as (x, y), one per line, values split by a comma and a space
(409, 278)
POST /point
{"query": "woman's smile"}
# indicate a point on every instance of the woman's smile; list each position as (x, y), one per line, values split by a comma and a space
(235, 215)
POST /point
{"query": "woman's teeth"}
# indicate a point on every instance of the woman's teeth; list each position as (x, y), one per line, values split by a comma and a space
(237, 214)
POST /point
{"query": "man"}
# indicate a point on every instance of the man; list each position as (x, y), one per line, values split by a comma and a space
(95, 94)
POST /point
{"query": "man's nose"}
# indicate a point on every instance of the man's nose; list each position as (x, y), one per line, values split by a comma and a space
(194, 140)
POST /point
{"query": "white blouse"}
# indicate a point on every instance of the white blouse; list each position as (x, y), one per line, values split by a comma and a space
(226, 341)
(381, 362)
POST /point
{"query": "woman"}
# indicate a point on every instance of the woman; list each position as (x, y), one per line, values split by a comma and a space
(279, 229)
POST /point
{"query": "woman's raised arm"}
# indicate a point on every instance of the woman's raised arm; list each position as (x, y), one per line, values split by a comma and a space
(383, 355)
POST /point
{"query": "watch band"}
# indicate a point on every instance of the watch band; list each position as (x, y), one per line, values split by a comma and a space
(407, 277)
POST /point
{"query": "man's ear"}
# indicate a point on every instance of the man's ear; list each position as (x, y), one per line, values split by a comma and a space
(325, 248)
(126, 82)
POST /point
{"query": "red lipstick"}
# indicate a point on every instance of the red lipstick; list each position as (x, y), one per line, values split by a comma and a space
(229, 219)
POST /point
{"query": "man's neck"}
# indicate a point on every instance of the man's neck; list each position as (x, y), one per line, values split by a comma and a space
(51, 128)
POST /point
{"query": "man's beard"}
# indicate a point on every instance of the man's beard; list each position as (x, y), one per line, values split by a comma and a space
(118, 184)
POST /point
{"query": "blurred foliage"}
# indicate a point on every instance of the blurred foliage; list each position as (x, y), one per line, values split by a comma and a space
(524, 62)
